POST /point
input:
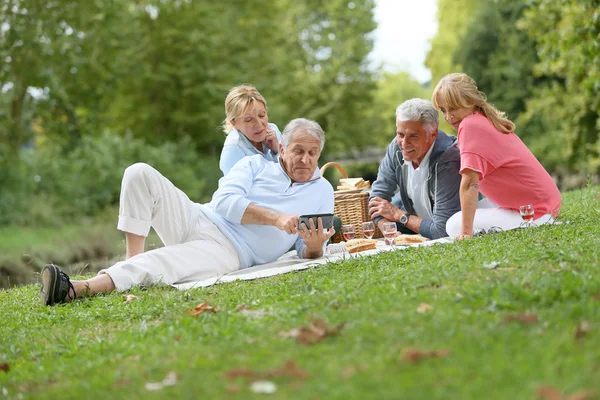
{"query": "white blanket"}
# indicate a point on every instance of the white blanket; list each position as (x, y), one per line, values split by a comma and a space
(290, 262)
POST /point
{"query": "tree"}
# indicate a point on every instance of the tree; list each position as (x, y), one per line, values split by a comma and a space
(454, 17)
(568, 43)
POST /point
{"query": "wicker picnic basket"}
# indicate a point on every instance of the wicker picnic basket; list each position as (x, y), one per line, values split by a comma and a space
(351, 206)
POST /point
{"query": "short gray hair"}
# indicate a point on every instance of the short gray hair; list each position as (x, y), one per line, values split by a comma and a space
(303, 125)
(419, 110)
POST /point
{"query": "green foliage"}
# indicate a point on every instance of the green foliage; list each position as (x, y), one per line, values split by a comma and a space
(392, 90)
(104, 347)
(454, 17)
(160, 70)
(538, 61)
(568, 43)
(489, 55)
(58, 184)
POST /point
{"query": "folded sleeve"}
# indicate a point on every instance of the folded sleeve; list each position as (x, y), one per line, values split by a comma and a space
(477, 163)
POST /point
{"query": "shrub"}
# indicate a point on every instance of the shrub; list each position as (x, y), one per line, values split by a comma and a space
(64, 184)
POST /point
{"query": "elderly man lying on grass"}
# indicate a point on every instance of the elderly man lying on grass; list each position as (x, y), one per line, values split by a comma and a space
(252, 219)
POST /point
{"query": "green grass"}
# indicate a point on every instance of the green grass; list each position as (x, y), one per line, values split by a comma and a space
(107, 348)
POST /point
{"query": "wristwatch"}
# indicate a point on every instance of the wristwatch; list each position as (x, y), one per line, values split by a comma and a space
(404, 219)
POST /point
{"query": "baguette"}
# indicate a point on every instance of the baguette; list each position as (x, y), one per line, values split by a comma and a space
(409, 239)
(357, 245)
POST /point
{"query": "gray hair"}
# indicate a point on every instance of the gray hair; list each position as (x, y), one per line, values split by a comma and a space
(419, 110)
(302, 125)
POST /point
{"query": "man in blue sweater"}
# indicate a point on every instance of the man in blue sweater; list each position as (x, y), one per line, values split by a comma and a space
(252, 219)
(423, 162)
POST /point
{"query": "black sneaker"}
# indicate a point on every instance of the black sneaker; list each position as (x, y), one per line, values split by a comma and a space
(56, 286)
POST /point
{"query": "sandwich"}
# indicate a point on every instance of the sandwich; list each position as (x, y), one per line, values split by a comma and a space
(357, 245)
(409, 239)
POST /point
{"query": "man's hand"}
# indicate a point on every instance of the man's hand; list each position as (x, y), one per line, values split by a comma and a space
(379, 207)
(315, 238)
(271, 140)
(287, 222)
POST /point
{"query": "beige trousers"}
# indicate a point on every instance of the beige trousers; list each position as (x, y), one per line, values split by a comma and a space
(195, 249)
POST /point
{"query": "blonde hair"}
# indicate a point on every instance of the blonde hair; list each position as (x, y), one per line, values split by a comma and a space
(459, 90)
(237, 102)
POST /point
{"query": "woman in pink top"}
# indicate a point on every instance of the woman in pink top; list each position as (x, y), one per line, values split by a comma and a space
(493, 161)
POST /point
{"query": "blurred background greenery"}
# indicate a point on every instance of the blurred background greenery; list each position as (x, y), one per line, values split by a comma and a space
(87, 88)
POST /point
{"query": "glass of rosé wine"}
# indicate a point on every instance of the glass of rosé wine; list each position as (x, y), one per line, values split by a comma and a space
(368, 229)
(390, 230)
(527, 213)
(348, 232)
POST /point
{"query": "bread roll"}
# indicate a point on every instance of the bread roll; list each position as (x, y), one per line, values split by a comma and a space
(409, 239)
(357, 245)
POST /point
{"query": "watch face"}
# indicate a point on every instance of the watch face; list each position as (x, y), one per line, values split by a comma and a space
(404, 219)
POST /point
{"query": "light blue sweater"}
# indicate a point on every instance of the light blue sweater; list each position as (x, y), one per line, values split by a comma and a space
(265, 184)
(237, 146)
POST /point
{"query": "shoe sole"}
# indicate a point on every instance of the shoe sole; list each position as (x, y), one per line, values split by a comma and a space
(49, 281)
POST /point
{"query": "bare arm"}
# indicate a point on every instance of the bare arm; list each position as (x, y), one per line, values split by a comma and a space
(263, 216)
(469, 195)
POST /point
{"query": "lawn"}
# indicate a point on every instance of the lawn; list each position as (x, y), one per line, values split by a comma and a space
(424, 323)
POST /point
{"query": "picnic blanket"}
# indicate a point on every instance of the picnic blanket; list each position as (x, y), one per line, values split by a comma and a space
(290, 262)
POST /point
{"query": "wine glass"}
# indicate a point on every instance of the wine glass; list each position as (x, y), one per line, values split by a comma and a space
(368, 229)
(527, 214)
(348, 232)
(389, 232)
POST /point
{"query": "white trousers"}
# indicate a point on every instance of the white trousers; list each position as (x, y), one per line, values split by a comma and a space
(488, 215)
(195, 249)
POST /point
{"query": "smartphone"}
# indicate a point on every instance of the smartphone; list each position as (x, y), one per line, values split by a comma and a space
(326, 219)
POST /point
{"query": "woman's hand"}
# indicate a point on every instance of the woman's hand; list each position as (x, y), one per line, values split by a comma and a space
(463, 236)
(271, 140)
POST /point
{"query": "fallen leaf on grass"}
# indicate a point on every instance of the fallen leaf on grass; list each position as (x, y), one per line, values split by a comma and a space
(582, 329)
(129, 297)
(316, 332)
(596, 297)
(414, 356)
(423, 308)
(582, 395)
(552, 393)
(348, 373)
(233, 388)
(122, 383)
(525, 319)
(263, 387)
(201, 308)
(288, 369)
(170, 380)
(4, 367)
(549, 393)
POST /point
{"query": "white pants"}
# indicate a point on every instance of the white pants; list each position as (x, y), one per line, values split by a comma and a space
(195, 249)
(490, 215)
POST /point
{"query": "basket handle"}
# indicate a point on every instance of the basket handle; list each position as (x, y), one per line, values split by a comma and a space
(334, 164)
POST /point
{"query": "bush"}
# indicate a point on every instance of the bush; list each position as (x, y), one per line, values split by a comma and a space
(65, 184)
